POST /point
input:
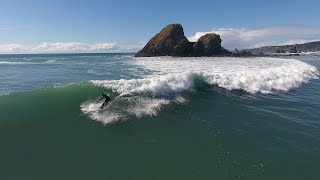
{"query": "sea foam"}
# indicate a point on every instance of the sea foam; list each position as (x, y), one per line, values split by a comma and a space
(254, 75)
(169, 76)
(121, 108)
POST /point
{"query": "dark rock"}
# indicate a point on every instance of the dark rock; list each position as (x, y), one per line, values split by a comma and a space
(294, 54)
(209, 45)
(293, 50)
(280, 51)
(169, 42)
(246, 53)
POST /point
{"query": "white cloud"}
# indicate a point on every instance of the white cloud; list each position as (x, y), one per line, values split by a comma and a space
(59, 47)
(133, 47)
(11, 48)
(74, 47)
(250, 38)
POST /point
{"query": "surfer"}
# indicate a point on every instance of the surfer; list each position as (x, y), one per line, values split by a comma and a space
(107, 99)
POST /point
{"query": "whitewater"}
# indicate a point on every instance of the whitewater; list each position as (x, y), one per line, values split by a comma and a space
(168, 77)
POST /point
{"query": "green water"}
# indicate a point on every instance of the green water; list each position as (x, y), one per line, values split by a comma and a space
(47, 137)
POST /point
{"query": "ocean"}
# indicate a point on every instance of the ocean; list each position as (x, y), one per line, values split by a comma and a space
(169, 118)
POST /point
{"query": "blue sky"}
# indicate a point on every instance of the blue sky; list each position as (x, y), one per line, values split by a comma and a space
(97, 25)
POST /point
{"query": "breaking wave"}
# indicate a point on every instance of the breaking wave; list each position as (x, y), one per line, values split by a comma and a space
(173, 75)
(122, 108)
(169, 77)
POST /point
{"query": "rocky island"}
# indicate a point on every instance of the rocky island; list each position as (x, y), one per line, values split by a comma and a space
(170, 41)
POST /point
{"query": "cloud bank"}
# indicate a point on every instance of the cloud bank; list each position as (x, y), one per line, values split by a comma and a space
(250, 38)
(74, 47)
(11, 48)
(60, 47)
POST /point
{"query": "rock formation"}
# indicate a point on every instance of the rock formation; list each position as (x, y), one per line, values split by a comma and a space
(280, 51)
(209, 45)
(172, 42)
(169, 42)
(293, 49)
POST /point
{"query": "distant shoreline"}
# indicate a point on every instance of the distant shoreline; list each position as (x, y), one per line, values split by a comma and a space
(309, 47)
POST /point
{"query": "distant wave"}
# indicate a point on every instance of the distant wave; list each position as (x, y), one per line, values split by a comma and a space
(172, 76)
(4, 93)
(49, 61)
(93, 71)
(9, 62)
(316, 53)
(26, 62)
(121, 57)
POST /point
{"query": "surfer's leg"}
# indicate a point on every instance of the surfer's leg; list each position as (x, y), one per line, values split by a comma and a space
(102, 105)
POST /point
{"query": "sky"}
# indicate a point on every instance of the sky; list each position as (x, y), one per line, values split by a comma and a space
(63, 26)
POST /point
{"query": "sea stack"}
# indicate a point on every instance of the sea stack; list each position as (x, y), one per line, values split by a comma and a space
(170, 41)
(209, 45)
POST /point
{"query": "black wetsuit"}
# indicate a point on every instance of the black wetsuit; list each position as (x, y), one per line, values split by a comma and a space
(107, 99)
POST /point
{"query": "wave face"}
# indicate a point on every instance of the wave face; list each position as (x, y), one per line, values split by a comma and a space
(169, 77)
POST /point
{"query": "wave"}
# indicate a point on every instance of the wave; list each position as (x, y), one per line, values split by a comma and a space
(25, 62)
(123, 57)
(96, 72)
(169, 77)
(122, 108)
(4, 94)
(49, 61)
(12, 62)
(173, 75)
(315, 53)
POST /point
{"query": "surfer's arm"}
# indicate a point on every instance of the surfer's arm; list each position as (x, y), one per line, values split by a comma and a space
(101, 98)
